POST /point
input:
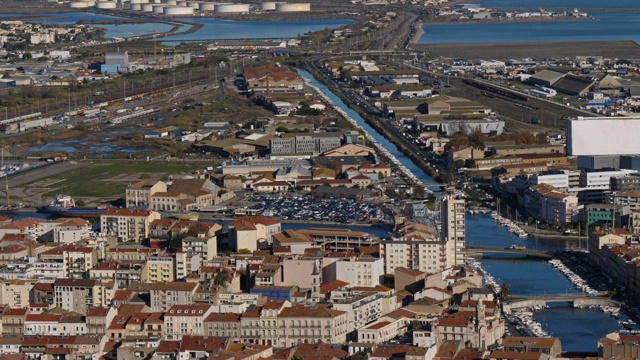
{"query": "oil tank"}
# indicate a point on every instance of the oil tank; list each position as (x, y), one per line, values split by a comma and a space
(183, 3)
(158, 9)
(80, 4)
(232, 8)
(171, 2)
(207, 6)
(135, 7)
(195, 5)
(178, 10)
(138, 1)
(106, 5)
(148, 7)
(268, 6)
(284, 7)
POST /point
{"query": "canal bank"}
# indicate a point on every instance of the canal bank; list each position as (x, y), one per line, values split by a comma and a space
(524, 276)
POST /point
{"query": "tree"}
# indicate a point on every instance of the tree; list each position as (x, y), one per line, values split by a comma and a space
(504, 293)
(222, 278)
(27, 56)
(244, 251)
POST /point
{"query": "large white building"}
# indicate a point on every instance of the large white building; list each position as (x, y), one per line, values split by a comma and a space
(557, 179)
(452, 217)
(422, 255)
(363, 271)
(603, 136)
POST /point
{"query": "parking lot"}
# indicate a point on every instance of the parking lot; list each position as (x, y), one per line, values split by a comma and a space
(304, 207)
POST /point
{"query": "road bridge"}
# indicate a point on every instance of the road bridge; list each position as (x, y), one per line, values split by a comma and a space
(478, 250)
(576, 300)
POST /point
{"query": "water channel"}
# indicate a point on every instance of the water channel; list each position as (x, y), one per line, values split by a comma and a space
(578, 329)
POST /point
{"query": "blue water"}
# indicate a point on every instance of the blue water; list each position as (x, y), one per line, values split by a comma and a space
(231, 29)
(586, 326)
(578, 329)
(112, 30)
(607, 28)
(580, 4)
(381, 139)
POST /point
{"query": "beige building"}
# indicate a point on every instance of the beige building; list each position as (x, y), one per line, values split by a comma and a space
(182, 320)
(165, 295)
(15, 293)
(169, 201)
(139, 194)
(452, 217)
(475, 322)
(601, 237)
(158, 269)
(80, 295)
(312, 324)
(127, 225)
(222, 324)
(421, 255)
(205, 247)
(77, 259)
(249, 231)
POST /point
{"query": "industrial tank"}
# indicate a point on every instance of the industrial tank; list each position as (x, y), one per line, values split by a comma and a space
(268, 6)
(178, 10)
(80, 4)
(159, 9)
(284, 7)
(106, 5)
(148, 7)
(232, 8)
(207, 6)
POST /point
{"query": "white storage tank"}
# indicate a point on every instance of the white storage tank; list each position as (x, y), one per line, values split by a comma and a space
(159, 9)
(232, 8)
(268, 6)
(106, 5)
(148, 7)
(284, 7)
(195, 5)
(80, 4)
(171, 2)
(156, 1)
(135, 7)
(207, 6)
(178, 10)
(138, 1)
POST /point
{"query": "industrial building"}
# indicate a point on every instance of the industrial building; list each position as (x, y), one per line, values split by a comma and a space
(115, 62)
(305, 144)
(603, 136)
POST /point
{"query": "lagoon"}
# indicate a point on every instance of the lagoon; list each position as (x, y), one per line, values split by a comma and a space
(218, 29)
(606, 28)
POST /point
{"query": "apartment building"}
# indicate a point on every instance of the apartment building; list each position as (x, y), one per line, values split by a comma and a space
(452, 217)
(205, 247)
(158, 269)
(15, 293)
(357, 271)
(249, 231)
(312, 324)
(128, 225)
(182, 320)
(165, 295)
(304, 144)
(139, 194)
(223, 324)
(362, 307)
(78, 295)
(421, 255)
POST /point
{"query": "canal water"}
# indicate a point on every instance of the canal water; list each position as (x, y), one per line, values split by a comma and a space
(381, 139)
(578, 329)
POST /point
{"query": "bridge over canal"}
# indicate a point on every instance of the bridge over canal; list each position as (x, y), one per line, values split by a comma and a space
(479, 250)
(576, 300)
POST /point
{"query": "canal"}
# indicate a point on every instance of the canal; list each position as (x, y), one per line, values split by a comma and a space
(578, 329)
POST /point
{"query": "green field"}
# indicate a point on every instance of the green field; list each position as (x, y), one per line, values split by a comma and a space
(109, 181)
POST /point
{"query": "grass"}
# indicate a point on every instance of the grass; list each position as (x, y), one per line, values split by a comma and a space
(106, 181)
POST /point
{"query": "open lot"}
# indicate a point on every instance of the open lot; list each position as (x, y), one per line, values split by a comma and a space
(94, 183)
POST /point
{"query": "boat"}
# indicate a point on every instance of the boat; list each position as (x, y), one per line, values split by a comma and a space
(65, 206)
(60, 203)
(187, 216)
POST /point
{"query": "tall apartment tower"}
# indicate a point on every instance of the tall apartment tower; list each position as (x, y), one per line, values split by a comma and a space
(452, 212)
